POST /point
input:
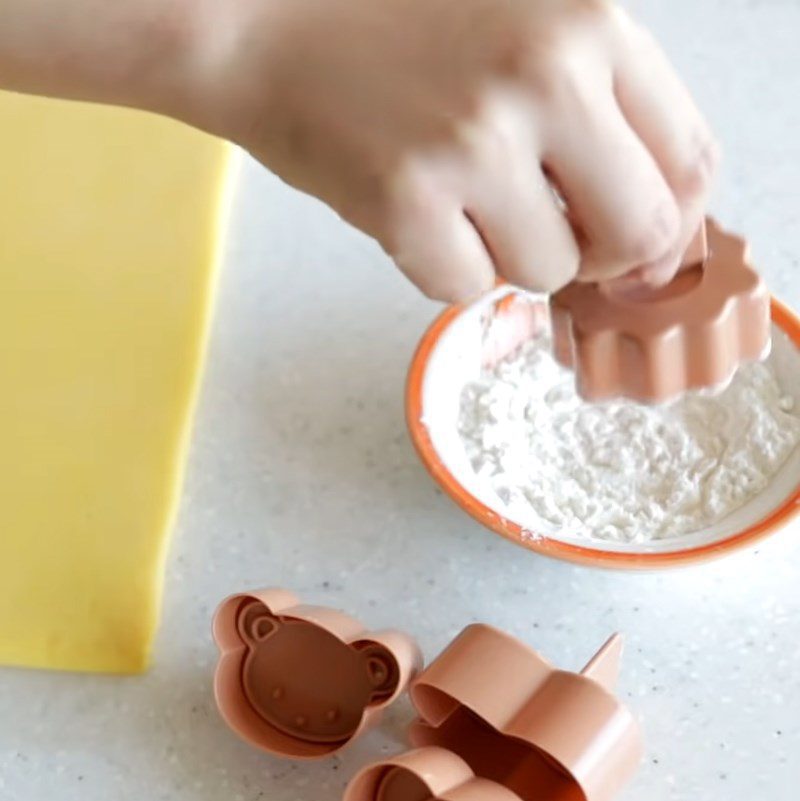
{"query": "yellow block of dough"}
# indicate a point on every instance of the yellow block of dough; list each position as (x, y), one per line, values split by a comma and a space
(109, 233)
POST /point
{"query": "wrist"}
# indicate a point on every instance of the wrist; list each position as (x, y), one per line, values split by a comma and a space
(223, 66)
(129, 53)
(176, 41)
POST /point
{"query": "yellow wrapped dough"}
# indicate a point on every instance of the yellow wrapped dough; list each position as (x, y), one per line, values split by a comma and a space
(109, 234)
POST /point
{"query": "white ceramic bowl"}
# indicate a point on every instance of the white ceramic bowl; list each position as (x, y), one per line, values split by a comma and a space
(449, 356)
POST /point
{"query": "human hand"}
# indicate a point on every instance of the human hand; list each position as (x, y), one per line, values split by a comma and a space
(438, 126)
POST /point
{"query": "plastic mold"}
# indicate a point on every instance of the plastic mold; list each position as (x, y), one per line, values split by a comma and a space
(303, 681)
(497, 722)
(655, 345)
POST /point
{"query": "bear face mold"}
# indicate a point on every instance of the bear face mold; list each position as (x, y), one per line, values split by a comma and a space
(303, 681)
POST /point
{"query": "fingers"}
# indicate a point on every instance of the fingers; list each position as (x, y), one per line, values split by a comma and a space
(530, 241)
(660, 110)
(626, 147)
(491, 219)
(437, 247)
(508, 198)
(655, 274)
(619, 201)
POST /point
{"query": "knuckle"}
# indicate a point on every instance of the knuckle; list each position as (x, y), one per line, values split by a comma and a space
(551, 281)
(473, 136)
(569, 270)
(557, 275)
(563, 85)
(404, 200)
(492, 140)
(692, 180)
(644, 246)
(394, 240)
(390, 234)
(450, 289)
(605, 21)
(363, 205)
(440, 292)
(406, 182)
(633, 33)
(559, 78)
(557, 266)
(514, 55)
(603, 11)
(697, 175)
(651, 237)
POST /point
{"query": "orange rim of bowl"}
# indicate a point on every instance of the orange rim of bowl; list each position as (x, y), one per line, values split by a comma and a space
(782, 316)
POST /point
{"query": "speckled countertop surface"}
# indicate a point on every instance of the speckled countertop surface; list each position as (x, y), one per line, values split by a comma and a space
(301, 474)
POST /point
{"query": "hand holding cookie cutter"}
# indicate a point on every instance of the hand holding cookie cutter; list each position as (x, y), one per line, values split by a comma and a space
(655, 345)
(303, 681)
(500, 723)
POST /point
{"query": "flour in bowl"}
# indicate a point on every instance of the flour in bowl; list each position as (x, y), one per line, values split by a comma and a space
(621, 471)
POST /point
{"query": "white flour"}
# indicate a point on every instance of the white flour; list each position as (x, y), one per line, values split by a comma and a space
(621, 471)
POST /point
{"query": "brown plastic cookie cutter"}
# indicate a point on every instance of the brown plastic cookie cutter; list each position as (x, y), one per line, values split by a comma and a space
(497, 722)
(654, 345)
(424, 775)
(303, 681)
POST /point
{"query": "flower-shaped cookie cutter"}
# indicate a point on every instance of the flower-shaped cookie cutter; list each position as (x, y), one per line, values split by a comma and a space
(497, 722)
(654, 345)
(303, 681)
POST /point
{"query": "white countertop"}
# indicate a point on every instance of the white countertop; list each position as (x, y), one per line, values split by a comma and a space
(301, 474)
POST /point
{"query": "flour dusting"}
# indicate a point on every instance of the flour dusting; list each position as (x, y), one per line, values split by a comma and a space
(620, 471)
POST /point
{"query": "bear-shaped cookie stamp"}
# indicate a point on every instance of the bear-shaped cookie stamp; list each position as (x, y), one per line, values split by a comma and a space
(286, 657)
(303, 681)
